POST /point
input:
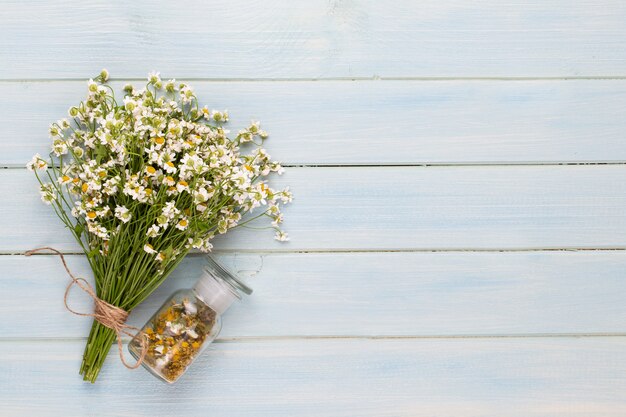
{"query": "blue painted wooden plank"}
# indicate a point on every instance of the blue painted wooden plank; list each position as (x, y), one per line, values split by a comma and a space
(384, 122)
(358, 294)
(314, 39)
(396, 208)
(461, 378)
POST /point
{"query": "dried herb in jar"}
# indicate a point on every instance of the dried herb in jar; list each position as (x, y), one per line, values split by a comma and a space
(186, 324)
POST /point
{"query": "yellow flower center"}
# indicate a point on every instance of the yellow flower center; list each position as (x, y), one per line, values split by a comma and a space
(65, 178)
(150, 170)
(85, 187)
(159, 140)
(183, 223)
(102, 174)
(91, 214)
(183, 183)
(148, 191)
(169, 163)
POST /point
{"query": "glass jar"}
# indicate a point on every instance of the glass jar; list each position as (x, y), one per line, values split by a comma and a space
(187, 323)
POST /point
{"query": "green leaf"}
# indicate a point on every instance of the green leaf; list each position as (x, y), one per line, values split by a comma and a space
(169, 251)
(101, 152)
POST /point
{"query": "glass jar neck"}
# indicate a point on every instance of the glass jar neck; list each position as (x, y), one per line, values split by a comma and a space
(215, 292)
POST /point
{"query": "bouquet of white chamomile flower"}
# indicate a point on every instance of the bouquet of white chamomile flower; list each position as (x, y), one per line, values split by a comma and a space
(141, 183)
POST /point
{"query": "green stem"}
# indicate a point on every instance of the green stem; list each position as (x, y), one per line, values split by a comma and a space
(99, 343)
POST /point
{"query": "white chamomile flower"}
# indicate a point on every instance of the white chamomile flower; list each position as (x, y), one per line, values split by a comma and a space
(219, 116)
(160, 257)
(154, 77)
(153, 231)
(98, 230)
(92, 86)
(169, 180)
(206, 248)
(170, 86)
(130, 104)
(48, 194)
(286, 196)
(54, 131)
(186, 94)
(169, 210)
(278, 168)
(254, 127)
(36, 163)
(169, 167)
(182, 186)
(195, 243)
(162, 221)
(65, 179)
(281, 236)
(122, 213)
(201, 195)
(59, 147)
(277, 220)
(151, 171)
(149, 248)
(182, 224)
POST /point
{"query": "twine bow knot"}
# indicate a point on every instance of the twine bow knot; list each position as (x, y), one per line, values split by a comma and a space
(105, 313)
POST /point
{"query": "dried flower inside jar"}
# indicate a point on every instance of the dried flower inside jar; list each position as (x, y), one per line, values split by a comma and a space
(187, 323)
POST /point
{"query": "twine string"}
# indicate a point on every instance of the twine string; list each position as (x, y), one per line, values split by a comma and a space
(105, 313)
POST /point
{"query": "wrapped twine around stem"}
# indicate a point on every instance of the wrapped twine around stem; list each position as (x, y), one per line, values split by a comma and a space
(105, 313)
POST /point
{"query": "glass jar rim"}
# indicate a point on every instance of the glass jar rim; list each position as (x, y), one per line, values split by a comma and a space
(229, 278)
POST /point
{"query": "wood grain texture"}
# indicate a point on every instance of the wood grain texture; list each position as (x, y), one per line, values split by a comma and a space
(396, 208)
(367, 294)
(381, 122)
(447, 378)
(314, 39)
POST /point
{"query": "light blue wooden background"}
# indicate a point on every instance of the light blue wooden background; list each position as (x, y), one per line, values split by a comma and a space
(459, 229)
